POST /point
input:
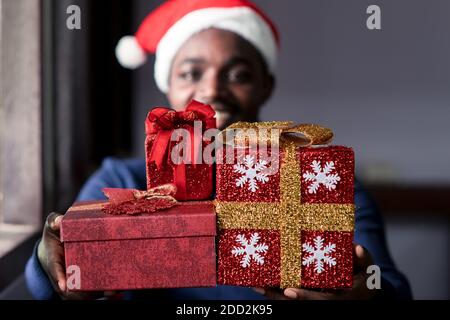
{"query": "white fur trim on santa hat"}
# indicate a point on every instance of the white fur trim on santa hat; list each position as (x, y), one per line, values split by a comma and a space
(129, 53)
(240, 20)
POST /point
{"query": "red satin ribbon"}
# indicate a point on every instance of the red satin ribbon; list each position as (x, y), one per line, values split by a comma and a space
(163, 121)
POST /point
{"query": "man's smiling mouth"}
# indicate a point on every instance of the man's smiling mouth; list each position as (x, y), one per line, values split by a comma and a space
(224, 113)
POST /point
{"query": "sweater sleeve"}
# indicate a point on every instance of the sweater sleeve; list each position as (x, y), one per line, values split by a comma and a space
(369, 232)
(114, 173)
(37, 280)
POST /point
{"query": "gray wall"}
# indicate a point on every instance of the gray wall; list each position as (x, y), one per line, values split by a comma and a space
(386, 93)
(420, 247)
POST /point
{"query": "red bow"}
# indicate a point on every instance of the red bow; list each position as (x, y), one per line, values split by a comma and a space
(163, 121)
(132, 201)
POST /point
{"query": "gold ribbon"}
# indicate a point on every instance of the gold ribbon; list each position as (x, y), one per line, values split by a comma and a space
(290, 216)
(302, 134)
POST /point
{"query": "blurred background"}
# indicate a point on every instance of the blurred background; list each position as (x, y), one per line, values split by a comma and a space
(66, 104)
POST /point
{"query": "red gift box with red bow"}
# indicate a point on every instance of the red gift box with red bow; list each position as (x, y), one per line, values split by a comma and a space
(165, 249)
(161, 126)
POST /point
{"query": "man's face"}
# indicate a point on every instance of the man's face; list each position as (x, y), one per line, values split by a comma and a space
(219, 68)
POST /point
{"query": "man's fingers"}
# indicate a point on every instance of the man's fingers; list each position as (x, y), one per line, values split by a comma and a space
(53, 221)
(56, 269)
(269, 293)
(362, 258)
(274, 294)
(259, 290)
(294, 294)
(56, 266)
(109, 293)
(303, 294)
(290, 293)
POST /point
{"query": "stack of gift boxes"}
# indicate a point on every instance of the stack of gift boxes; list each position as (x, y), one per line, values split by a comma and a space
(280, 212)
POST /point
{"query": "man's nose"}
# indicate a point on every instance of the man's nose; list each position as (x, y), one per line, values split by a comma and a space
(210, 87)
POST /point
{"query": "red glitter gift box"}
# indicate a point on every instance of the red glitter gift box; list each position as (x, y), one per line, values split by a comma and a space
(166, 249)
(286, 218)
(161, 124)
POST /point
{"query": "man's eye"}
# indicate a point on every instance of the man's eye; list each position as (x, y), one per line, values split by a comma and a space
(241, 76)
(191, 76)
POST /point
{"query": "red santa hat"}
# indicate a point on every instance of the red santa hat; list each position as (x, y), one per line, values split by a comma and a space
(167, 28)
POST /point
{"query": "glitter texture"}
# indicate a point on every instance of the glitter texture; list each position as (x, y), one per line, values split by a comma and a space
(160, 125)
(230, 270)
(226, 179)
(289, 220)
(338, 276)
(198, 175)
(283, 206)
(343, 160)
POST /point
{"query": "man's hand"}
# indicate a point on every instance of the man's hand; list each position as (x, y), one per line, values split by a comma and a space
(51, 257)
(362, 260)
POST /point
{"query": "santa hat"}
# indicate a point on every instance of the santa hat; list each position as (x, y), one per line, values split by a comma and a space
(167, 28)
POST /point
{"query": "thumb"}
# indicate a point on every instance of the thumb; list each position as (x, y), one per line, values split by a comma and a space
(362, 258)
(54, 221)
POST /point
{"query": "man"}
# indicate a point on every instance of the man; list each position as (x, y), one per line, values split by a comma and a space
(222, 53)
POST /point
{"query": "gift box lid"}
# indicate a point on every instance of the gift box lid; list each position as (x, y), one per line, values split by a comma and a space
(85, 221)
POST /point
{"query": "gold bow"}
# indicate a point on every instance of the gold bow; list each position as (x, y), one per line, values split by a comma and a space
(248, 133)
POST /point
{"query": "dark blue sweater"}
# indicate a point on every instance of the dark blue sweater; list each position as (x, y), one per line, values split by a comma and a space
(115, 173)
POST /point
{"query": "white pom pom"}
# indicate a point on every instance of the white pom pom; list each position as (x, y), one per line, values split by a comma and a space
(129, 53)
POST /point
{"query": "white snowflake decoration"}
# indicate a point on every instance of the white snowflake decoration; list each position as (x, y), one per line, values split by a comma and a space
(250, 249)
(321, 176)
(319, 254)
(251, 172)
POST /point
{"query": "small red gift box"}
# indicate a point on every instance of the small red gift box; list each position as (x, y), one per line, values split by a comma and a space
(286, 219)
(166, 249)
(161, 124)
